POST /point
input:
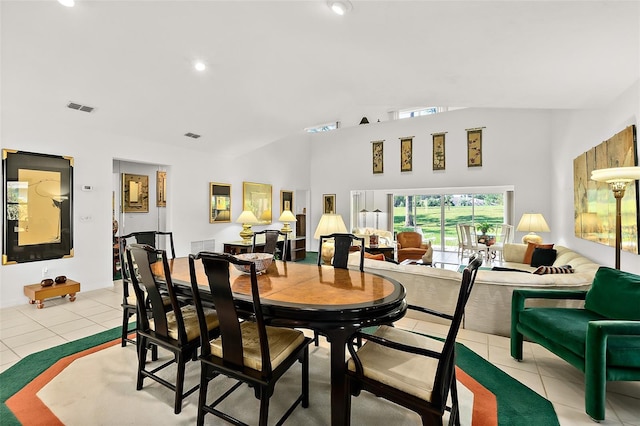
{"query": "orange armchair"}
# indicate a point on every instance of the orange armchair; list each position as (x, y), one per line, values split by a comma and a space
(410, 246)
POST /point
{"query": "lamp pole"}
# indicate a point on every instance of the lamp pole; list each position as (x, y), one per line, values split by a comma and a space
(618, 192)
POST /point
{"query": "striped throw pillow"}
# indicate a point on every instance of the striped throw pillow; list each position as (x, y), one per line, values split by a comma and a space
(564, 269)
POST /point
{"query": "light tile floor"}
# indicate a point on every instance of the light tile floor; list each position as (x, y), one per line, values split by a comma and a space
(25, 329)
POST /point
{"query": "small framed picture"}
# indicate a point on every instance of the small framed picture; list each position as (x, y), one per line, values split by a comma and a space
(406, 154)
(438, 152)
(161, 189)
(329, 203)
(474, 148)
(378, 156)
(286, 200)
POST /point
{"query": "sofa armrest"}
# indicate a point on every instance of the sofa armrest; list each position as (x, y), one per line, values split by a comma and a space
(595, 368)
(519, 296)
(518, 299)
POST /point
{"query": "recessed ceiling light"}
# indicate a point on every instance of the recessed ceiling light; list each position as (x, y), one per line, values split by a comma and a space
(340, 7)
(68, 3)
(199, 65)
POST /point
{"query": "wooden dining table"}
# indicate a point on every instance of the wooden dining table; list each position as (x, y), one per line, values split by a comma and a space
(334, 302)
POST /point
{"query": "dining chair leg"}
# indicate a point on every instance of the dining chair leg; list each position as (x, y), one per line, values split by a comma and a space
(264, 408)
(179, 383)
(142, 359)
(202, 398)
(305, 377)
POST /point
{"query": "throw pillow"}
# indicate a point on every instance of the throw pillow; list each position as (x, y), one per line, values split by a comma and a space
(564, 269)
(614, 294)
(378, 256)
(543, 257)
(529, 253)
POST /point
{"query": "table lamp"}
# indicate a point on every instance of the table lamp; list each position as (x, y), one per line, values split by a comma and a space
(246, 218)
(329, 224)
(286, 217)
(364, 217)
(617, 178)
(532, 223)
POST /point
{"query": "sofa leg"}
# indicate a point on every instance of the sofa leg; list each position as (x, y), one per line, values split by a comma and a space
(516, 346)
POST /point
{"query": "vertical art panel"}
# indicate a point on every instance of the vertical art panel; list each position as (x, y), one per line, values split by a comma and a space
(594, 204)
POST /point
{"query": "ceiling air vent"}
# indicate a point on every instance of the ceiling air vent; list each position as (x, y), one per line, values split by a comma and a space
(79, 107)
(192, 135)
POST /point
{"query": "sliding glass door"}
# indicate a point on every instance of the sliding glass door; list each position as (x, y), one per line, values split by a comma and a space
(435, 215)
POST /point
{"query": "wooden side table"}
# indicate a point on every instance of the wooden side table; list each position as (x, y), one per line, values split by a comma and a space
(36, 293)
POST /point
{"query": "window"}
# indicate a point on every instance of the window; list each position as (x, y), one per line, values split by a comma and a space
(416, 112)
(322, 127)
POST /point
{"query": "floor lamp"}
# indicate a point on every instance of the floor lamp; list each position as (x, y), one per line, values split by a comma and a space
(617, 178)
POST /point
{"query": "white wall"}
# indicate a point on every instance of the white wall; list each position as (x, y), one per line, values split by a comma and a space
(575, 132)
(516, 149)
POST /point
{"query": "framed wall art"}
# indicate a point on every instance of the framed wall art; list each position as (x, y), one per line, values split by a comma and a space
(378, 156)
(439, 162)
(161, 189)
(594, 203)
(406, 154)
(329, 203)
(474, 148)
(38, 207)
(219, 202)
(257, 198)
(286, 200)
(135, 193)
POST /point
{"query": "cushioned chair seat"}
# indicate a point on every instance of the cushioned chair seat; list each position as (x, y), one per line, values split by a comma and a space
(570, 327)
(190, 318)
(282, 343)
(401, 370)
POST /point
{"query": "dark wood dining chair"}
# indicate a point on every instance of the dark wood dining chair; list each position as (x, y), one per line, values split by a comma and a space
(412, 370)
(271, 242)
(344, 245)
(128, 297)
(247, 351)
(174, 327)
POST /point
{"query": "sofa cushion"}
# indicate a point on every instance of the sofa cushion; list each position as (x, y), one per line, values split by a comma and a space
(569, 328)
(530, 248)
(543, 256)
(614, 294)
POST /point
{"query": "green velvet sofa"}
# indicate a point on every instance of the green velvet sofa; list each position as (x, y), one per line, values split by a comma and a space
(602, 339)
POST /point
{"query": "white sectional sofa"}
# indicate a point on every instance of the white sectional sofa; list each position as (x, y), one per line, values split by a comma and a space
(489, 307)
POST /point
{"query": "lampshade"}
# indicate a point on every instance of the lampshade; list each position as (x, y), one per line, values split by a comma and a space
(532, 223)
(330, 224)
(287, 216)
(616, 174)
(247, 216)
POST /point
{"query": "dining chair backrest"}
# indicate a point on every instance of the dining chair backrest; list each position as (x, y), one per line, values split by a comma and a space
(504, 233)
(216, 267)
(139, 256)
(344, 244)
(271, 237)
(155, 239)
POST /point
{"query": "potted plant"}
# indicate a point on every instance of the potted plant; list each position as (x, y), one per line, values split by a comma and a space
(484, 227)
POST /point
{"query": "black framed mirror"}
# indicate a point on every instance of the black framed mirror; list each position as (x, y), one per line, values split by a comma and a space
(38, 206)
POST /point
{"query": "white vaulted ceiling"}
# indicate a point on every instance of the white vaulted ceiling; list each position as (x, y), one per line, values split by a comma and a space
(276, 67)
